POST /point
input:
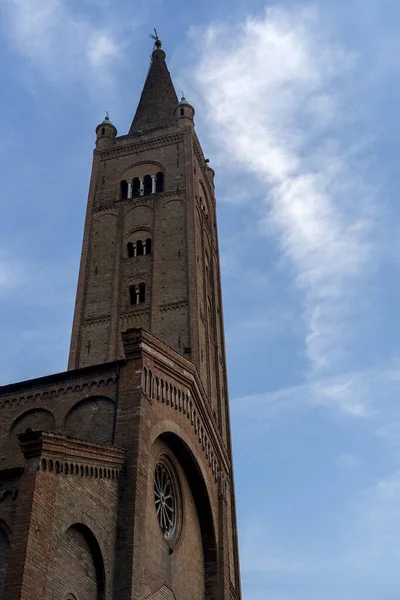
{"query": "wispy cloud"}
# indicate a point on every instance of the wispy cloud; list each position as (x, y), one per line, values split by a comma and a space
(359, 394)
(10, 274)
(275, 90)
(375, 534)
(61, 43)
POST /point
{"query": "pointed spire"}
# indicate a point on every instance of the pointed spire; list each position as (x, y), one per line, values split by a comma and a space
(158, 100)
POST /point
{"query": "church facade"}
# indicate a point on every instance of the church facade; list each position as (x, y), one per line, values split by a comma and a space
(116, 478)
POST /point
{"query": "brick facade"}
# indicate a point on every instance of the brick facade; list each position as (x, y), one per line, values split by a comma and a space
(146, 386)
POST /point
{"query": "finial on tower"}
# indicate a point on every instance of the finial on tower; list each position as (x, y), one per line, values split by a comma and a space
(157, 41)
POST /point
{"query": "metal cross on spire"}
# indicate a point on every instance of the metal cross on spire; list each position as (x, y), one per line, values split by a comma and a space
(157, 41)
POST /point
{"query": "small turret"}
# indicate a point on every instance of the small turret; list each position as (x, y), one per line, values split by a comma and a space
(184, 112)
(105, 133)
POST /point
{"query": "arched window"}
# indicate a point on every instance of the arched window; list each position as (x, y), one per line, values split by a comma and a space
(147, 185)
(124, 190)
(159, 182)
(142, 292)
(147, 246)
(136, 187)
(131, 250)
(134, 294)
(137, 293)
(139, 248)
(103, 131)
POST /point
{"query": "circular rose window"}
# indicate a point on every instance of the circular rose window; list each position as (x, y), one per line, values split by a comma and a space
(165, 499)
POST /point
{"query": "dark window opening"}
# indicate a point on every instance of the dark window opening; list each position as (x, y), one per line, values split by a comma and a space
(147, 185)
(148, 245)
(131, 250)
(136, 187)
(159, 182)
(182, 112)
(134, 295)
(139, 248)
(124, 190)
(103, 131)
(137, 293)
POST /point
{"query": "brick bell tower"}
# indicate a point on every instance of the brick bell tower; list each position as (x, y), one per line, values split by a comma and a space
(120, 469)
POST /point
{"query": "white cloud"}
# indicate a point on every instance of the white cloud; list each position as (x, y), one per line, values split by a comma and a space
(275, 90)
(10, 275)
(376, 526)
(62, 44)
(358, 394)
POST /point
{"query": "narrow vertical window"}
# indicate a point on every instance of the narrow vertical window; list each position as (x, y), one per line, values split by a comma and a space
(139, 248)
(182, 112)
(148, 246)
(103, 131)
(142, 292)
(159, 182)
(134, 294)
(136, 187)
(137, 294)
(124, 190)
(131, 250)
(147, 184)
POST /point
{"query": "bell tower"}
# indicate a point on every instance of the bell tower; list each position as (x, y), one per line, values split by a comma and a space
(150, 249)
(117, 474)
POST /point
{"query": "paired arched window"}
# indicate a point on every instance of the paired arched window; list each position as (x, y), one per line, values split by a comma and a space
(137, 294)
(139, 248)
(142, 186)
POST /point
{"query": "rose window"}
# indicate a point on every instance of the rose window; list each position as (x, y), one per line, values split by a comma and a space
(165, 500)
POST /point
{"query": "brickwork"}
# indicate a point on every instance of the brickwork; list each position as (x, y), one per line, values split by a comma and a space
(183, 304)
(79, 514)
(5, 544)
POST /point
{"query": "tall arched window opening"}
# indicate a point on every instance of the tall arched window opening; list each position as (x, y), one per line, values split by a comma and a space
(147, 246)
(139, 248)
(159, 182)
(135, 187)
(142, 292)
(137, 294)
(131, 250)
(124, 190)
(147, 185)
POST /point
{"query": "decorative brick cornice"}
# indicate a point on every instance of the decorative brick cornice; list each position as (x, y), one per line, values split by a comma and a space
(60, 454)
(97, 320)
(141, 201)
(72, 382)
(173, 306)
(156, 386)
(140, 145)
(133, 318)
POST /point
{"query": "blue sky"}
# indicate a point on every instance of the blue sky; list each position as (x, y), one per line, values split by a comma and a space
(297, 109)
